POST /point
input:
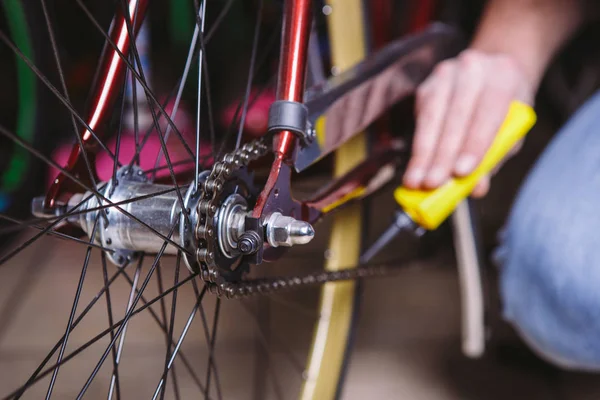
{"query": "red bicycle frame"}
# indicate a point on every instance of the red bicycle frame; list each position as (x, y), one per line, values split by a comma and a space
(276, 194)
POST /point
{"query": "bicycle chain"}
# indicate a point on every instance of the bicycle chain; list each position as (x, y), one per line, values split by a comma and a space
(205, 230)
(207, 206)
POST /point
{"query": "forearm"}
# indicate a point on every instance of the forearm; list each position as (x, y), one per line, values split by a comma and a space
(531, 31)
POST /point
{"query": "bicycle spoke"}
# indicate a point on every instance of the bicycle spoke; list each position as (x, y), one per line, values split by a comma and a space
(37, 154)
(211, 352)
(127, 316)
(110, 322)
(164, 328)
(31, 240)
(131, 68)
(182, 82)
(54, 91)
(200, 18)
(118, 143)
(63, 347)
(208, 339)
(136, 278)
(153, 171)
(260, 65)
(149, 131)
(250, 73)
(39, 374)
(235, 120)
(136, 126)
(63, 84)
(32, 379)
(168, 339)
(209, 35)
(204, 42)
(171, 326)
(209, 107)
(152, 112)
(218, 21)
(133, 83)
(180, 341)
(59, 235)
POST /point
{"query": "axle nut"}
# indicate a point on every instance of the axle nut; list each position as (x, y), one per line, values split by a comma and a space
(249, 243)
(288, 231)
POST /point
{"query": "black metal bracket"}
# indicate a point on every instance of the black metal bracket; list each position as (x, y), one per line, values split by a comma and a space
(290, 116)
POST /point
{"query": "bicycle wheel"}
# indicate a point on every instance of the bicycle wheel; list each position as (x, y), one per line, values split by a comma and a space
(134, 261)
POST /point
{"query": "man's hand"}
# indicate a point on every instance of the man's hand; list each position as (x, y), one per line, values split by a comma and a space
(459, 110)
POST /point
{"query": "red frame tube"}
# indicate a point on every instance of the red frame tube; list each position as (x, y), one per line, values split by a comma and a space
(105, 93)
(292, 65)
(292, 70)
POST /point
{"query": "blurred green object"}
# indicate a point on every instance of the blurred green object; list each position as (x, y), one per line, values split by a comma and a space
(182, 21)
(26, 83)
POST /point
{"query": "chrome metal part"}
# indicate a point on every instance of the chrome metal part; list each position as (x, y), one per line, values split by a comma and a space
(39, 210)
(249, 243)
(230, 224)
(123, 234)
(287, 231)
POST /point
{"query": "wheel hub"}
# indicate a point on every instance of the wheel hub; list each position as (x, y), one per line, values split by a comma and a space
(211, 223)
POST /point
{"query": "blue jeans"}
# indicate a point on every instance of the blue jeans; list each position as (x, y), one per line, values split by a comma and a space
(549, 256)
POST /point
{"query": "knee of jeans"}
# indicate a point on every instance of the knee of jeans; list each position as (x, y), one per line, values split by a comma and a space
(548, 293)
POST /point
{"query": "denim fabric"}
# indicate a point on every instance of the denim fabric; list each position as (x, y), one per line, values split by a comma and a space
(549, 256)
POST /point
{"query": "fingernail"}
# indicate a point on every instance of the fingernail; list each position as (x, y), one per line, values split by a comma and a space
(436, 177)
(465, 165)
(414, 177)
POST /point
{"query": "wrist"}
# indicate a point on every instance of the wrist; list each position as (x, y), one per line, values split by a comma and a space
(530, 32)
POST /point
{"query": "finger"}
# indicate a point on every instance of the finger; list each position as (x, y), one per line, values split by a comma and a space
(489, 115)
(432, 102)
(482, 188)
(469, 85)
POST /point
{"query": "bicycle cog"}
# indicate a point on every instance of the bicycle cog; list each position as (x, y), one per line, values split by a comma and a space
(225, 191)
